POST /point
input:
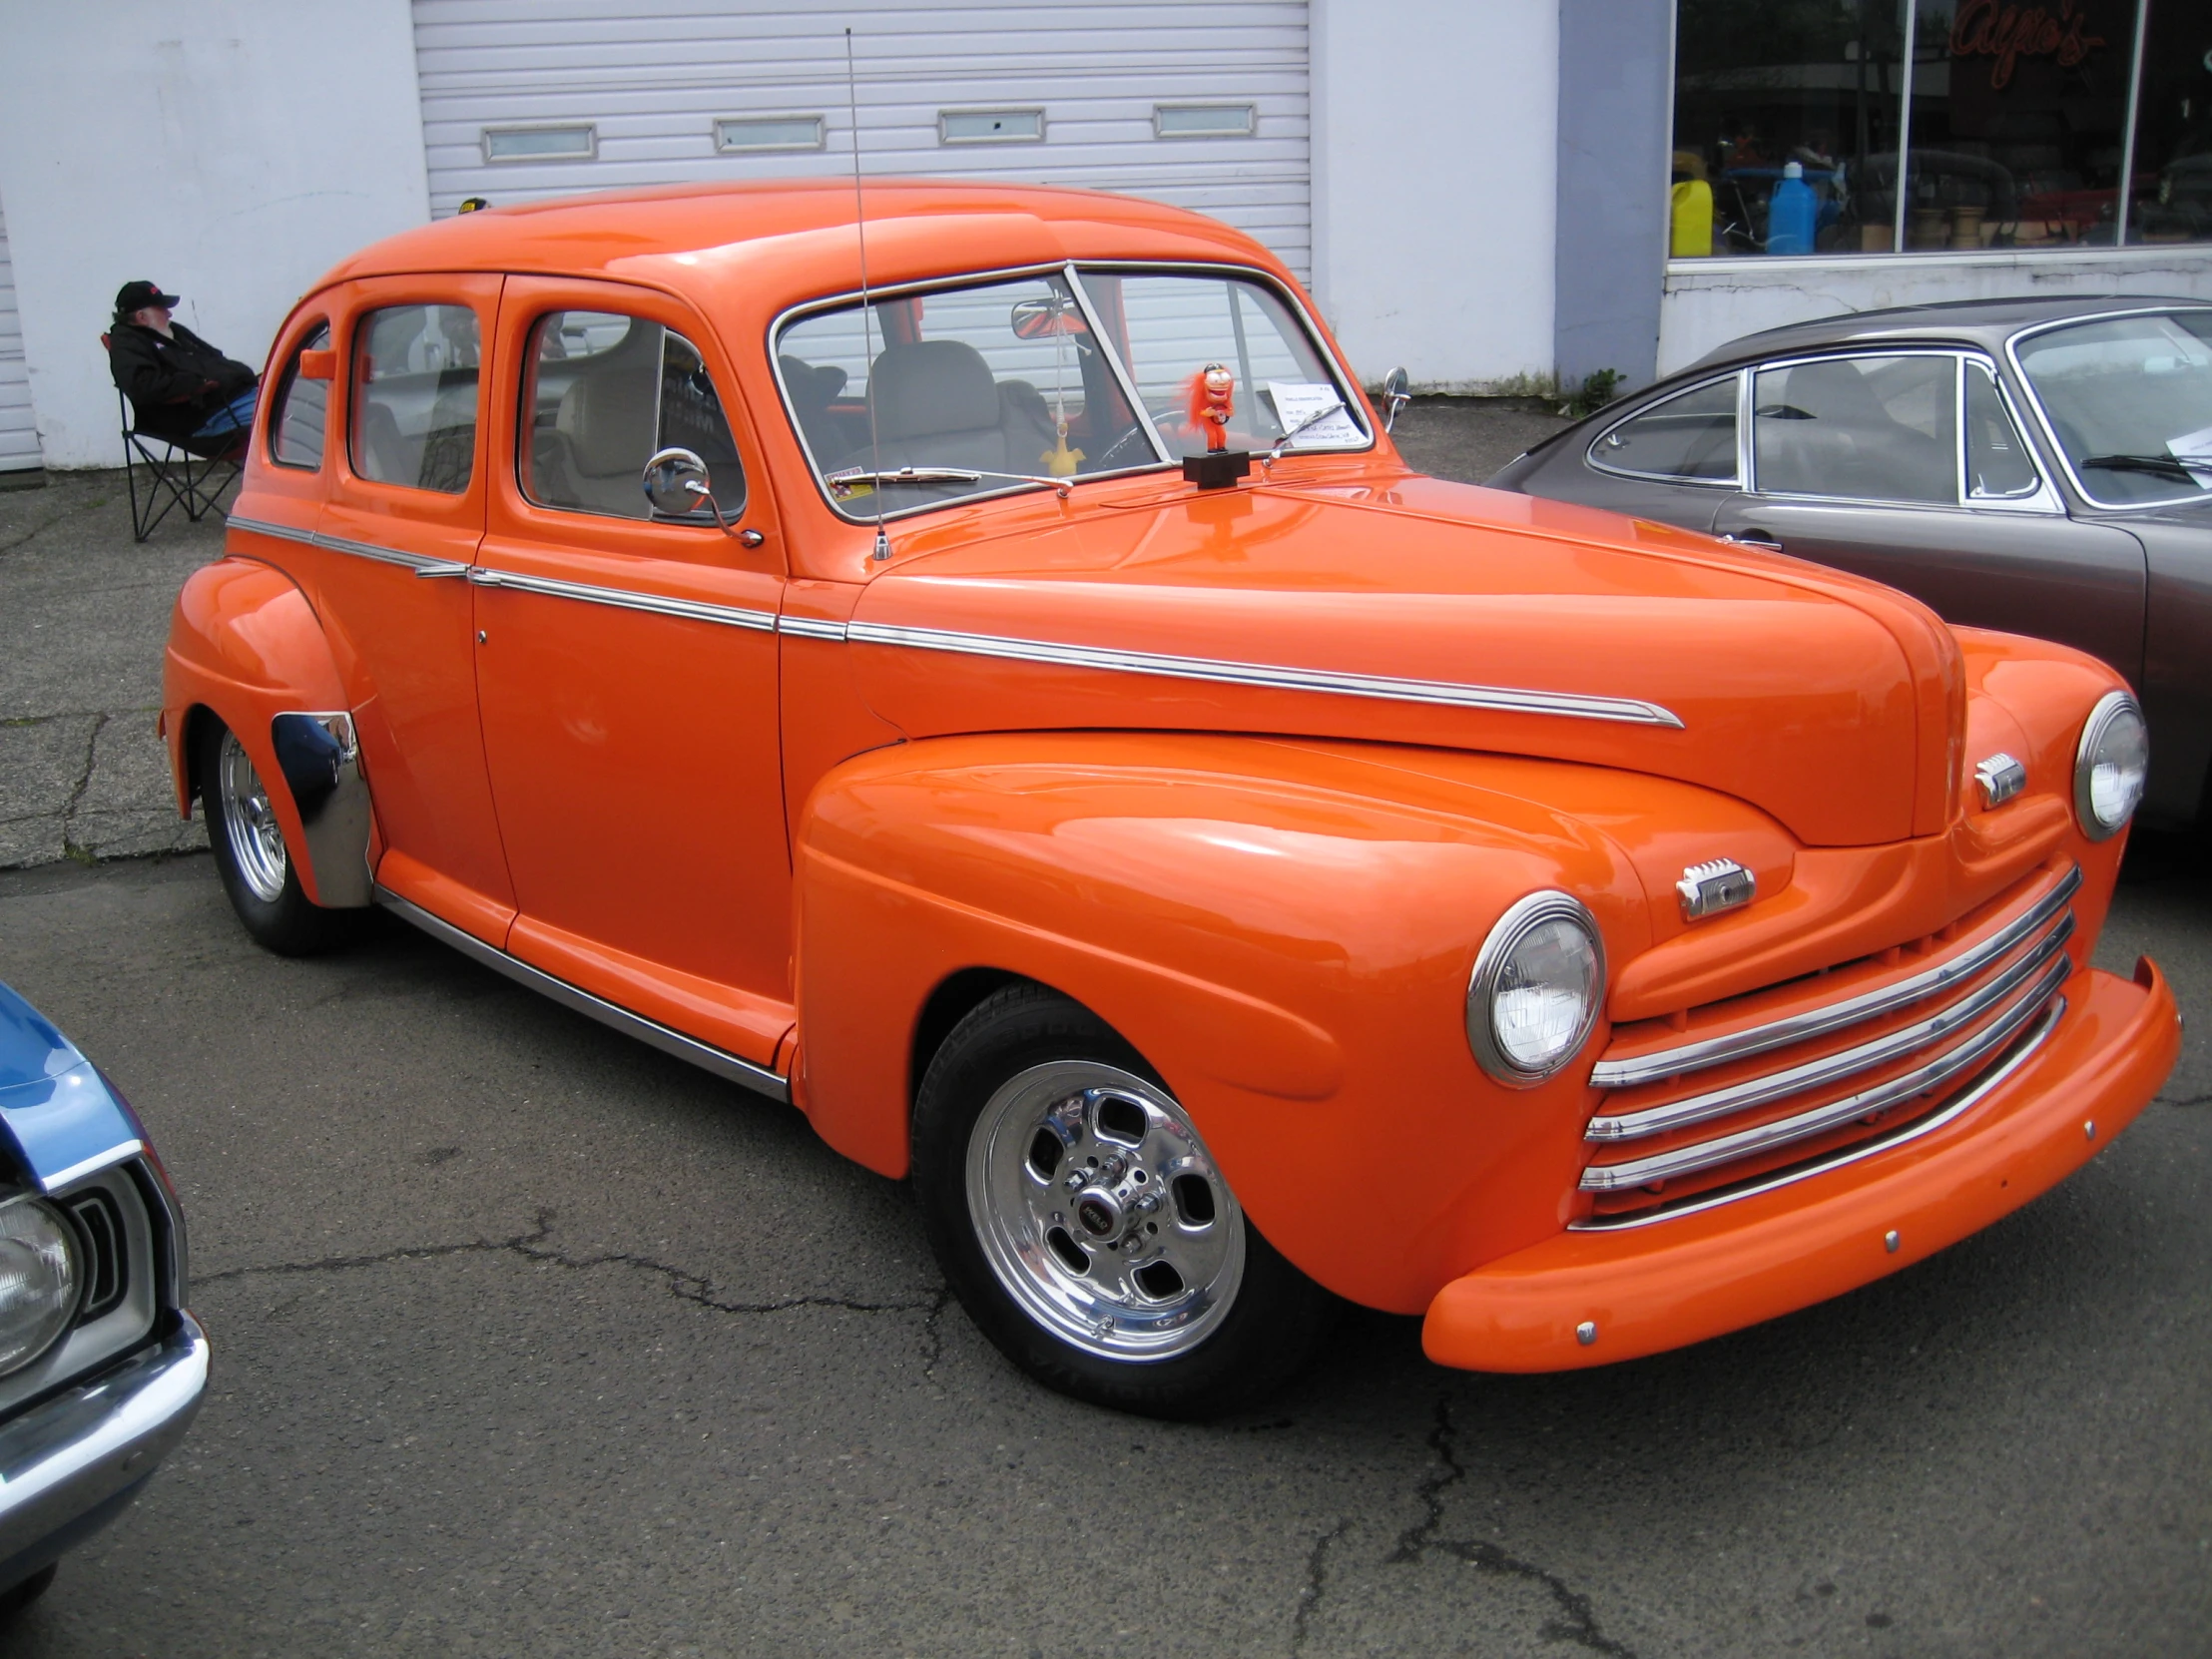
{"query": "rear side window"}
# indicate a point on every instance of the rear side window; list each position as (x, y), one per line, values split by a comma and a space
(414, 396)
(603, 393)
(1688, 439)
(296, 426)
(1859, 428)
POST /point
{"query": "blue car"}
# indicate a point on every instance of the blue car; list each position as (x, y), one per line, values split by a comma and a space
(100, 1367)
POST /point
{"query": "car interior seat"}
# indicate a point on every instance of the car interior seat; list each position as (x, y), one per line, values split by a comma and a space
(605, 430)
(1831, 435)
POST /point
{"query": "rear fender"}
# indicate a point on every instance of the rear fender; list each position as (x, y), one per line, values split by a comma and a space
(1283, 935)
(244, 646)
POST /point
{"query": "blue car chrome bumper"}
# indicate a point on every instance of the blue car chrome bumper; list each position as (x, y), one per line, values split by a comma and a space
(64, 1458)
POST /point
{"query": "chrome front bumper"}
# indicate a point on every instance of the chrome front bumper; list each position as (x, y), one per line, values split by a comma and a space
(65, 1457)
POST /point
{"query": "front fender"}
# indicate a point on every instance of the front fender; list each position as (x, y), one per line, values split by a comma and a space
(1284, 930)
(246, 646)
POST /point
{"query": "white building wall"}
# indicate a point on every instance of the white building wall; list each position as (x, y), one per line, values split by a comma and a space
(231, 149)
(1436, 166)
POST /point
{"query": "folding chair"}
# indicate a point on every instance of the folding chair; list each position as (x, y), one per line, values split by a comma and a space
(188, 473)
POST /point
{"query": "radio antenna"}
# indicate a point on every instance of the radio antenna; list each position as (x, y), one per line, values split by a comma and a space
(868, 324)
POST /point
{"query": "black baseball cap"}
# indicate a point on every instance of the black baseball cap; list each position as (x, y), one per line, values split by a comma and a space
(136, 296)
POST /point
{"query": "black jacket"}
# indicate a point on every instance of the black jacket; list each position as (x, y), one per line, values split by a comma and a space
(174, 384)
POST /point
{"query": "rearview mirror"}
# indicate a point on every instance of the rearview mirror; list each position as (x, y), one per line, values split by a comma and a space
(1395, 398)
(1041, 318)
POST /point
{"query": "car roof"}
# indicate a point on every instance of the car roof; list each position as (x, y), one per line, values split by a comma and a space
(1987, 324)
(782, 241)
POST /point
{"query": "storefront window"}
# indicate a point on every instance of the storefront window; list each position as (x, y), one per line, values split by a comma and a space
(2012, 121)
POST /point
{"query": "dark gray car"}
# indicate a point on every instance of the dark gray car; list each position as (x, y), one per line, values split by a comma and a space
(2042, 466)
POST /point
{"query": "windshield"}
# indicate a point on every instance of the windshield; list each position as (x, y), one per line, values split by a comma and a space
(2130, 400)
(1002, 385)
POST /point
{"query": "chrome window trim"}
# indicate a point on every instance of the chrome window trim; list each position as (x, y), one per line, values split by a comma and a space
(1758, 1039)
(2042, 498)
(665, 1038)
(1832, 1068)
(626, 599)
(1741, 376)
(1704, 1155)
(1908, 349)
(1842, 1156)
(2049, 433)
(1347, 382)
(1450, 694)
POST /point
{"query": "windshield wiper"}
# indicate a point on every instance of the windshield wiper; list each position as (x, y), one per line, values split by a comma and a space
(2166, 466)
(844, 483)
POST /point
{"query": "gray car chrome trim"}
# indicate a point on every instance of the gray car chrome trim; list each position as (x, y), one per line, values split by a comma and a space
(665, 1038)
(1450, 694)
(1757, 1039)
(69, 1455)
(1702, 1155)
(1733, 482)
(728, 616)
(1853, 1154)
(121, 1153)
(2049, 429)
(1832, 1068)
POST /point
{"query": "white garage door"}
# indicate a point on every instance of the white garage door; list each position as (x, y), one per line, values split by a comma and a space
(18, 431)
(1201, 103)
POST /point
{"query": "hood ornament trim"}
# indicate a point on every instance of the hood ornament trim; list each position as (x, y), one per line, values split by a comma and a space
(2001, 777)
(1716, 885)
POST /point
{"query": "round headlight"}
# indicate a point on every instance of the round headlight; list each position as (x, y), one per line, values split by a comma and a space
(2111, 766)
(38, 1281)
(1536, 988)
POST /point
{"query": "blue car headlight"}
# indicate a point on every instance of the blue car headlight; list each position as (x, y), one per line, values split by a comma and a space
(38, 1279)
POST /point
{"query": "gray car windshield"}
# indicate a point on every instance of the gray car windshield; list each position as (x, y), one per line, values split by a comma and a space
(926, 398)
(2130, 400)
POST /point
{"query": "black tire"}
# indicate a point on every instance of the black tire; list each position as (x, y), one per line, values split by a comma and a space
(284, 919)
(18, 1596)
(1274, 1316)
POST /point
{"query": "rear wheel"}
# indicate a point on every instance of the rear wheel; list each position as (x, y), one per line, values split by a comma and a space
(250, 852)
(1085, 1227)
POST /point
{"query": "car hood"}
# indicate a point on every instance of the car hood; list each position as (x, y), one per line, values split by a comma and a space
(58, 1114)
(1409, 610)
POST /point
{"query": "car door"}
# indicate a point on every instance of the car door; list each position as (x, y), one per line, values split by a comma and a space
(1909, 467)
(388, 572)
(627, 666)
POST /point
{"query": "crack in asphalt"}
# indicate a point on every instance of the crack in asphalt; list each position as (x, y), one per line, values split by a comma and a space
(1317, 1581)
(1580, 1621)
(933, 1332)
(2192, 1100)
(683, 1284)
(91, 505)
(70, 848)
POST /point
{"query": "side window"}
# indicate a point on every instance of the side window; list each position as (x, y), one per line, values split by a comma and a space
(601, 394)
(1859, 428)
(1690, 437)
(295, 424)
(414, 396)
(1999, 465)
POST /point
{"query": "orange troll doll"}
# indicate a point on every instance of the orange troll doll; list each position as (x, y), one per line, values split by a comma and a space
(1211, 400)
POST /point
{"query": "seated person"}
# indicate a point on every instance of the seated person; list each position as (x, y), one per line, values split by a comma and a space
(181, 388)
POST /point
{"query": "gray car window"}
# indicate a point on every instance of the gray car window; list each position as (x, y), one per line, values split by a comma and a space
(1690, 437)
(1998, 467)
(1859, 428)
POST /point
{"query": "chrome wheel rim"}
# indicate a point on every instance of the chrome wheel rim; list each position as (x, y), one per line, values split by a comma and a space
(1102, 1213)
(248, 821)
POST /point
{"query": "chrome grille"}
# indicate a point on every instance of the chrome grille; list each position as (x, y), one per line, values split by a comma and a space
(1808, 1070)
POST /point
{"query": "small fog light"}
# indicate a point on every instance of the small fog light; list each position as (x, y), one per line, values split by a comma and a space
(1536, 990)
(2111, 766)
(38, 1281)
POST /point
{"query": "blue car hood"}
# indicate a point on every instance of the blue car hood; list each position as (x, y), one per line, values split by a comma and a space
(58, 1114)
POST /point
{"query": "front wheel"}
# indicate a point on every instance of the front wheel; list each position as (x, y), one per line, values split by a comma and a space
(250, 852)
(1086, 1229)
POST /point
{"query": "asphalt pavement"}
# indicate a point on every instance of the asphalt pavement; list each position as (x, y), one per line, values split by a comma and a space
(529, 1339)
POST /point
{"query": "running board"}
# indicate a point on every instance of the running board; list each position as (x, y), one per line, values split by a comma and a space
(667, 1040)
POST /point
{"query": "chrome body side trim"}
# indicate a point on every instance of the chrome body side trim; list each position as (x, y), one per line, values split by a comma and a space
(1504, 698)
(1832, 1068)
(1710, 1051)
(1687, 1160)
(665, 1038)
(728, 616)
(811, 628)
(1844, 1154)
(420, 563)
(66, 1456)
(121, 1153)
(262, 527)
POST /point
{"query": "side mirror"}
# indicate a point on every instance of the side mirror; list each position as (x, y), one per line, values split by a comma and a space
(676, 484)
(1395, 398)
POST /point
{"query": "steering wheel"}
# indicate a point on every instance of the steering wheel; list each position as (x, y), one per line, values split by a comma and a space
(1105, 460)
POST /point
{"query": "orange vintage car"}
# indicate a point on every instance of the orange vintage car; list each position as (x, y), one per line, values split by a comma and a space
(979, 671)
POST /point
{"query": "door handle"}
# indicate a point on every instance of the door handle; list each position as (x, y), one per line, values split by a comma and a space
(1753, 538)
(442, 567)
